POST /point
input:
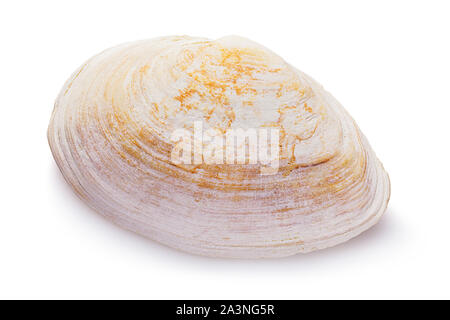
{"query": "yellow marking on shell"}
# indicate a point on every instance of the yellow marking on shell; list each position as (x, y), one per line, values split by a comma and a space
(144, 69)
(307, 108)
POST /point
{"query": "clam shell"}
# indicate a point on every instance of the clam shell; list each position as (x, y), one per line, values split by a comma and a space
(111, 136)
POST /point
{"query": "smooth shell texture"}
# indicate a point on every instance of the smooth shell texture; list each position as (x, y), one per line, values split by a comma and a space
(110, 136)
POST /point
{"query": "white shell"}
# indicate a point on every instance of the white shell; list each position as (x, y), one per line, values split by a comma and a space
(110, 134)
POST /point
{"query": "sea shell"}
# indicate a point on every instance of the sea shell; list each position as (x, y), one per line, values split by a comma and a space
(111, 134)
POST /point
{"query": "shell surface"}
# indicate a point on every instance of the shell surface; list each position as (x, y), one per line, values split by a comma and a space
(111, 134)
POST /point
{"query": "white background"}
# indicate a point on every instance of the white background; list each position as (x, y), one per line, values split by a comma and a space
(387, 62)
